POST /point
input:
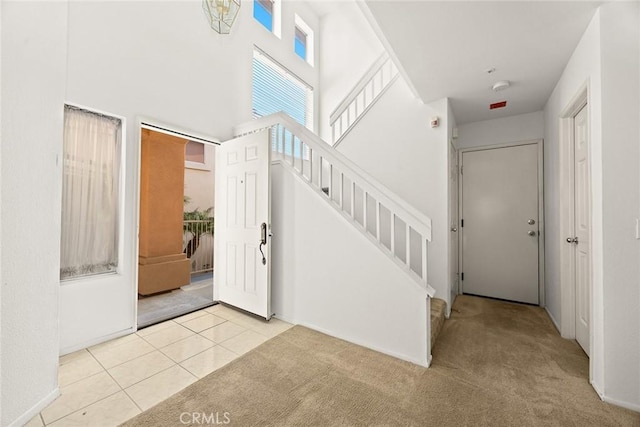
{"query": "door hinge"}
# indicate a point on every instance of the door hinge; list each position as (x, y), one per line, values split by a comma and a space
(461, 276)
(461, 170)
(462, 223)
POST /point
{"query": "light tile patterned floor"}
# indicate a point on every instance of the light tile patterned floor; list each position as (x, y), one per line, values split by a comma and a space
(109, 383)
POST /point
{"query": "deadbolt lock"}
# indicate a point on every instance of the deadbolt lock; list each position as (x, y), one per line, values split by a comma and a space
(531, 221)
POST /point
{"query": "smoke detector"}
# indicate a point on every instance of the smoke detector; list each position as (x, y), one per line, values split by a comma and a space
(501, 85)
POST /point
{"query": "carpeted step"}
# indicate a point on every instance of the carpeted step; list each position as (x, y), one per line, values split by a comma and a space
(438, 309)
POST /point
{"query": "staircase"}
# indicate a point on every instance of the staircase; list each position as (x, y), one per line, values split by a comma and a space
(438, 311)
(397, 229)
(362, 97)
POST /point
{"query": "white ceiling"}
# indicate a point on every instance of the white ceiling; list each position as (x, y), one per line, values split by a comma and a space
(445, 47)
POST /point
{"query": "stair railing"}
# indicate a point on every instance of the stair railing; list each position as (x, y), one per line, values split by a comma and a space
(397, 228)
(362, 97)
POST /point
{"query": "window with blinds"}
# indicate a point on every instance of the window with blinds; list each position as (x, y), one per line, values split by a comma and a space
(275, 89)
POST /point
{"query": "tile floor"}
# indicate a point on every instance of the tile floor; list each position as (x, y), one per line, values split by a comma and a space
(109, 383)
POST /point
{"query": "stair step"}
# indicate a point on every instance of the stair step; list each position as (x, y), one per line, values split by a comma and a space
(438, 310)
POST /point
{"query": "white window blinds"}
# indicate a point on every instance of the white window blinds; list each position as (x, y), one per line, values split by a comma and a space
(275, 89)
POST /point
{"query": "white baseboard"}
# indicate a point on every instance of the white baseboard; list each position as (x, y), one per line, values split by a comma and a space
(627, 405)
(553, 320)
(599, 392)
(35, 410)
(96, 341)
(423, 363)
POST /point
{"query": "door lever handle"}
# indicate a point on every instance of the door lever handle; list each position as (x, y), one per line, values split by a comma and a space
(263, 241)
(572, 240)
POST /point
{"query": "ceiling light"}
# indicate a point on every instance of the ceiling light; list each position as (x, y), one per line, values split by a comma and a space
(221, 14)
(502, 85)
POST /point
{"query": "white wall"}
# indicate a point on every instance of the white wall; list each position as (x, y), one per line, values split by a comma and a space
(583, 68)
(199, 183)
(132, 59)
(349, 47)
(33, 87)
(620, 56)
(1, 137)
(522, 127)
(364, 297)
(607, 60)
(396, 145)
(165, 64)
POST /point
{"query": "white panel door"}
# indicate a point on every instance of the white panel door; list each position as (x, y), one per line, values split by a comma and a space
(582, 223)
(500, 223)
(453, 216)
(242, 245)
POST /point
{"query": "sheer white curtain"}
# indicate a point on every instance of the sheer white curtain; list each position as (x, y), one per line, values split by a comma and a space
(90, 189)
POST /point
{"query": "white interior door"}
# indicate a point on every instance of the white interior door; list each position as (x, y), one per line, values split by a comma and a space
(453, 217)
(582, 223)
(500, 223)
(242, 244)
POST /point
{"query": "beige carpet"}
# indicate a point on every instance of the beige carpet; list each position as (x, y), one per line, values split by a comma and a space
(495, 364)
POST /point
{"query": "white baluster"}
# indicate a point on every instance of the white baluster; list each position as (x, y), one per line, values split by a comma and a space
(393, 234)
(320, 173)
(330, 181)
(341, 203)
(408, 246)
(378, 221)
(353, 199)
(364, 210)
(424, 259)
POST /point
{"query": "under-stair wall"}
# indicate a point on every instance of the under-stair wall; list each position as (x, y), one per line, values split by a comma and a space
(328, 276)
(349, 256)
(395, 144)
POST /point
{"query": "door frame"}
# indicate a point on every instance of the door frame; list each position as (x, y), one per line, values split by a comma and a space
(453, 207)
(541, 221)
(567, 215)
(156, 126)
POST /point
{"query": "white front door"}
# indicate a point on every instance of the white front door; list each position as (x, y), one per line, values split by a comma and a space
(582, 221)
(499, 223)
(242, 244)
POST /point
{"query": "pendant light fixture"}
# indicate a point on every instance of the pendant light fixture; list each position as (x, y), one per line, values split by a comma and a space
(221, 14)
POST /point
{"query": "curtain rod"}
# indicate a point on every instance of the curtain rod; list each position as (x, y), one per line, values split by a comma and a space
(187, 136)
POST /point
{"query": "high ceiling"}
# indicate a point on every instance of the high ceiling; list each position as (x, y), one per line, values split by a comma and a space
(446, 47)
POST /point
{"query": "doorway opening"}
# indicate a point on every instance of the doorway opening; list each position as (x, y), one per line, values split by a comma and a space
(176, 224)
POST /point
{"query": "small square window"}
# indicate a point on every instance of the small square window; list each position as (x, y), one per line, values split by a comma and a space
(194, 152)
(303, 40)
(263, 12)
(300, 43)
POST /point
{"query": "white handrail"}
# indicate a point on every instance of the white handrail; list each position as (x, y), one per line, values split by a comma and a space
(308, 149)
(376, 189)
(362, 97)
(366, 78)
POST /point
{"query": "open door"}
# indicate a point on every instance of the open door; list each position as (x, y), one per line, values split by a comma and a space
(243, 221)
